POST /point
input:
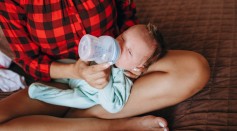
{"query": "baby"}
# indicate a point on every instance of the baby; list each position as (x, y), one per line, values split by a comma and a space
(140, 45)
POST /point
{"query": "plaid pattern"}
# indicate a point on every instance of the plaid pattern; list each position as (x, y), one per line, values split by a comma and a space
(40, 32)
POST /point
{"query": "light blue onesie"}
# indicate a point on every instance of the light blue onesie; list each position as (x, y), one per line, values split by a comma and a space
(81, 95)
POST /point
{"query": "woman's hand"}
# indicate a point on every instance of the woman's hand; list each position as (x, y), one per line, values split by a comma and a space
(95, 75)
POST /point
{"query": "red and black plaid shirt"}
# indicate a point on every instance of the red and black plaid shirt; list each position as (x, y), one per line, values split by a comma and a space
(43, 31)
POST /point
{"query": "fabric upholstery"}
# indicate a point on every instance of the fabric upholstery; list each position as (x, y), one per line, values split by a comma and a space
(208, 27)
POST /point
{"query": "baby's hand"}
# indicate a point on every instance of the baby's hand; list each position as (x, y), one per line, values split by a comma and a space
(135, 73)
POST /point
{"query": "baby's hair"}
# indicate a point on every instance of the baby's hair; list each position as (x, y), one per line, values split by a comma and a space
(156, 34)
(161, 48)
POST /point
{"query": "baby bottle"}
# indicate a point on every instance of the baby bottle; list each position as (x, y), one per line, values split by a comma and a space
(101, 49)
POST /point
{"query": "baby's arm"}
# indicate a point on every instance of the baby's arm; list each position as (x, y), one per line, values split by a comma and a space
(70, 97)
(115, 95)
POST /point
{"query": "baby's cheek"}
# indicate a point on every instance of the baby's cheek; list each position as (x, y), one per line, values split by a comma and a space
(119, 64)
(123, 63)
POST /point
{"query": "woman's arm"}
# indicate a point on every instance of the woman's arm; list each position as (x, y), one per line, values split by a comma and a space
(27, 53)
(95, 75)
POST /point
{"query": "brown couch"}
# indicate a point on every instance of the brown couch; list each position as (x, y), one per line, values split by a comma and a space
(208, 27)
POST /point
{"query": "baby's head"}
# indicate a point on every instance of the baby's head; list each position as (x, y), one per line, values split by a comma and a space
(141, 45)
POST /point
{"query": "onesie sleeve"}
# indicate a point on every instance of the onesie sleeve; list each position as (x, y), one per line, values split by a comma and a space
(115, 95)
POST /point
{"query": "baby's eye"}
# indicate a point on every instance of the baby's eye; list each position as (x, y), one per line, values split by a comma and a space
(122, 38)
(129, 51)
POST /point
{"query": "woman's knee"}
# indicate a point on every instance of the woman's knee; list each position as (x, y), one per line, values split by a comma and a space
(199, 70)
(188, 69)
(201, 66)
(190, 75)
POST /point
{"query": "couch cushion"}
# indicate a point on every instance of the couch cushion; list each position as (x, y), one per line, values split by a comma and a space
(208, 27)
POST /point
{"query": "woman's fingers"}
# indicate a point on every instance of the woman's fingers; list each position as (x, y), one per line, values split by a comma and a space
(97, 68)
(100, 74)
(97, 75)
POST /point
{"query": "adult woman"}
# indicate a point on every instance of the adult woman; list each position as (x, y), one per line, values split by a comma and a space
(52, 30)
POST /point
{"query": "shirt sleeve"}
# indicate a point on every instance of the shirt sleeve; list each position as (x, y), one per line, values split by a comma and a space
(27, 53)
(126, 14)
(115, 95)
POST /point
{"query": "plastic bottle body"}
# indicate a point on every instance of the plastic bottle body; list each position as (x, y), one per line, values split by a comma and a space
(101, 50)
